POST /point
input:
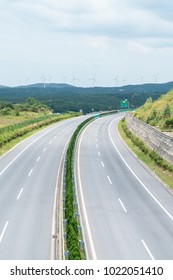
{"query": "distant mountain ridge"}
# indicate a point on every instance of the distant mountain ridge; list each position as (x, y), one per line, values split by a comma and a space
(43, 85)
(64, 97)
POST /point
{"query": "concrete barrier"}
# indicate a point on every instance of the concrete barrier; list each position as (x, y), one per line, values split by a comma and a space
(156, 140)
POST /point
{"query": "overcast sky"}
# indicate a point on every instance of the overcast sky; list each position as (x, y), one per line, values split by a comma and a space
(86, 42)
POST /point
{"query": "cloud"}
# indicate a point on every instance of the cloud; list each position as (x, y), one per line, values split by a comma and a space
(116, 19)
(85, 33)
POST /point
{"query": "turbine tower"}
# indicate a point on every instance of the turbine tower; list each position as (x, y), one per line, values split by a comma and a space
(116, 80)
(155, 77)
(93, 80)
(74, 80)
(43, 80)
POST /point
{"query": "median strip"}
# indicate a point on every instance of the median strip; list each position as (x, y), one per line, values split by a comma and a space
(73, 241)
(74, 246)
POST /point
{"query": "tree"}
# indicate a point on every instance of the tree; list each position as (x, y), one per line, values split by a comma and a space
(167, 111)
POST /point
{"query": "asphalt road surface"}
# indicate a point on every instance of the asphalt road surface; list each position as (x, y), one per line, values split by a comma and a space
(127, 213)
(28, 176)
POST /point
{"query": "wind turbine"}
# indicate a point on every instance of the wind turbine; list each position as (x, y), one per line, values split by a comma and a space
(155, 77)
(64, 79)
(124, 82)
(74, 80)
(93, 80)
(116, 80)
(49, 78)
(26, 81)
(43, 80)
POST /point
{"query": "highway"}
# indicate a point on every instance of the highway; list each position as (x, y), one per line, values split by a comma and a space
(127, 214)
(28, 177)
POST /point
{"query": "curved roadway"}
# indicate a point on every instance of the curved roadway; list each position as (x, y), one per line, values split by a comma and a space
(28, 175)
(127, 213)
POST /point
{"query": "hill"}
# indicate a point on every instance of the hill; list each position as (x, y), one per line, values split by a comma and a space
(158, 113)
(64, 97)
(11, 114)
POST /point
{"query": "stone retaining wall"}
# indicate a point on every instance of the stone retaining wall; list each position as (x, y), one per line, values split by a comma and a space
(156, 140)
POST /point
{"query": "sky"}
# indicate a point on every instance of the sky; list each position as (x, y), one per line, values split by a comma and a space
(86, 42)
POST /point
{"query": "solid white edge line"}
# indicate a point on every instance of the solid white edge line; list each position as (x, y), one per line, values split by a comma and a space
(20, 193)
(55, 127)
(83, 202)
(147, 249)
(3, 231)
(137, 178)
(122, 205)
(57, 248)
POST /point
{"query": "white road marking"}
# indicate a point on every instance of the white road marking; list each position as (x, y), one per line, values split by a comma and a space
(85, 216)
(109, 180)
(97, 145)
(147, 249)
(96, 139)
(102, 164)
(50, 142)
(11, 162)
(30, 172)
(3, 232)
(20, 193)
(38, 159)
(122, 205)
(99, 153)
(54, 137)
(44, 150)
(137, 178)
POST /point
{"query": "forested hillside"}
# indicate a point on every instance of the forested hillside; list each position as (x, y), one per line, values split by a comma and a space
(62, 97)
(158, 113)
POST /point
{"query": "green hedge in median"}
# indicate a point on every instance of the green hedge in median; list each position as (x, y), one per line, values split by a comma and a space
(72, 232)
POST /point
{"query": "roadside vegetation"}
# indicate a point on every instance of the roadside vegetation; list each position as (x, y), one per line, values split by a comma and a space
(73, 237)
(18, 121)
(157, 164)
(158, 113)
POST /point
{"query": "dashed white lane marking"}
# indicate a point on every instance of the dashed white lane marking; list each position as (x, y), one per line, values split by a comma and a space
(3, 232)
(102, 164)
(50, 142)
(109, 180)
(137, 178)
(20, 193)
(99, 153)
(97, 145)
(38, 159)
(30, 172)
(54, 137)
(147, 249)
(44, 150)
(122, 205)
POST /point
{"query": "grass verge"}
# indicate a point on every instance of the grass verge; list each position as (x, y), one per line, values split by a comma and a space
(163, 173)
(8, 139)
